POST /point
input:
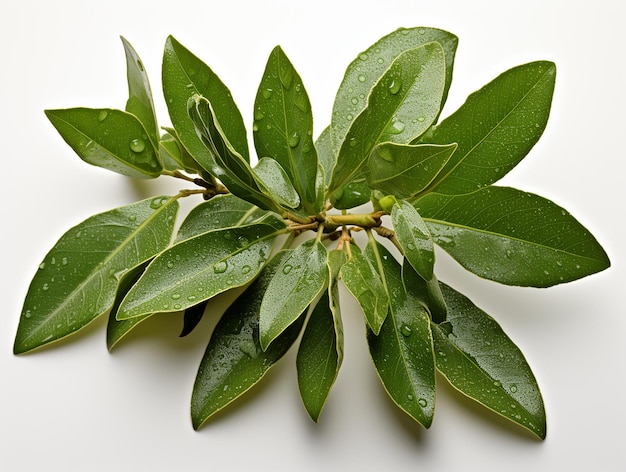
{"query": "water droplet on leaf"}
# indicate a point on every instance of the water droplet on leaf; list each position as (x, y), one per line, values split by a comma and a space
(103, 115)
(267, 93)
(220, 267)
(361, 78)
(395, 86)
(422, 402)
(137, 145)
(406, 330)
(287, 268)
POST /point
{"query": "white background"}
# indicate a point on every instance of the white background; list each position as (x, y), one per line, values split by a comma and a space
(75, 407)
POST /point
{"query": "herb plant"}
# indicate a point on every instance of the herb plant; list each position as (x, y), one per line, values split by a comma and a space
(286, 227)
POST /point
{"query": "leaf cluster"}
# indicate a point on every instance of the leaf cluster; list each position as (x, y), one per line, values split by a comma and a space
(288, 227)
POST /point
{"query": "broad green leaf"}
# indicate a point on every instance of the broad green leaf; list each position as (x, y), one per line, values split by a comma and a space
(406, 170)
(224, 161)
(275, 183)
(78, 279)
(283, 126)
(356, 193)
(112, 139)
(140, 101)
(495, 128)
(480, 360)
(298, 281)
(234, 361)
(367, 69)
(427, 292)
(402, 352)
(224, 211)
(325, 153)
(363, 281)
(403, 104)
(414, 238)
(184, 75)
(199, 268)
(512, 237)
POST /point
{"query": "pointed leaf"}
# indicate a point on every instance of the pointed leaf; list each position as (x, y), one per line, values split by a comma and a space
(480, 360)
(367, 69)
(495, 128)
(112, 139)
(199, 268)
(234, 361)
(363, 281)
(283, 126)
(513, 237)
(326, 155)
(414, 238)
(172, 149)
(140, 101)
(298, 281)
(78, 279)
(403, 352)
(427, 292)
(184, 75)
(275, 183)
(397, 110)
(406, 170)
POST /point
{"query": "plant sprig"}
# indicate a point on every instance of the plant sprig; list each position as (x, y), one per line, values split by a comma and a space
(280, 227)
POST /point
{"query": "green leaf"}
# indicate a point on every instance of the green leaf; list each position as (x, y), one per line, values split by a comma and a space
(224, 211)
(78, 279)
(402, 105)
(283, 126)
(414, 238)
(480, 360)
(171, 149)
(199, 268)
(234, 361)
(363, 281)
(353, 194)
(275, 183)
(427, 292)
(402, 352)
(512, 237)
(496, 128)
(112, 139)
(325, 153)
(184, 75)
(298, 281)
(140, 101)
(406, 170)
(224, 161)
(367, 69)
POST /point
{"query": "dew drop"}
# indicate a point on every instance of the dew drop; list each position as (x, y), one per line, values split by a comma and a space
(559, 263)
(363, 57)
(397, 127)
(258, 114)
(175, 296)
(79, 234)
(28, 314)
(380, 60)
(513, 388)
(294, 139)
(64, 261)
(170, 264)
(409, 397)
(422, 402)
(191, 298)
(395, 86)
(421, 118)
(361, 78)
(406, 330)
(245, 269)
(255, 126)
(103, 115)
(132, 218)
(45, 287)
(42, 265)
(286, 76)
(137, 145)
(268, 92)
(157, 202)
(220, 267)
(349, 117)
(287, 268)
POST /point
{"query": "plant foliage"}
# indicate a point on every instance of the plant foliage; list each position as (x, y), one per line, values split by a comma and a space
(285, 227)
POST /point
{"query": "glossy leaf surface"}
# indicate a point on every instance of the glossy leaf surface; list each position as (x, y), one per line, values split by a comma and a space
(367, 69)
(414, 238)
(480, 360)
(402, 105)
(199, 268)
(184, 75)
(297, 282)
(275, 183)
(234, 361)
(495, 128)
(172, 149)
(428, 293)
(402, 352)
(283, 126)
(76, 283)
(112, 139)
(512, 237)
(406, 170)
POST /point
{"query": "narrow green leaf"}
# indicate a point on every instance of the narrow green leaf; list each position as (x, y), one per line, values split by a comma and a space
(140, 101)
(112, 139)
(414, 238)
(496, 128)
(283, 126)
(480, 360)
(298, 281)
(367, 69)
(184, 75)
(363, 281)
(406, 170)
(427, 292)
(402, 352)
(274, 181)
(224, 211)
(402, 105)
(512, 237)
(78, 279)
(199, 268)
(172, 149)
(325, 153)
(234, 361)
(224, 161)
